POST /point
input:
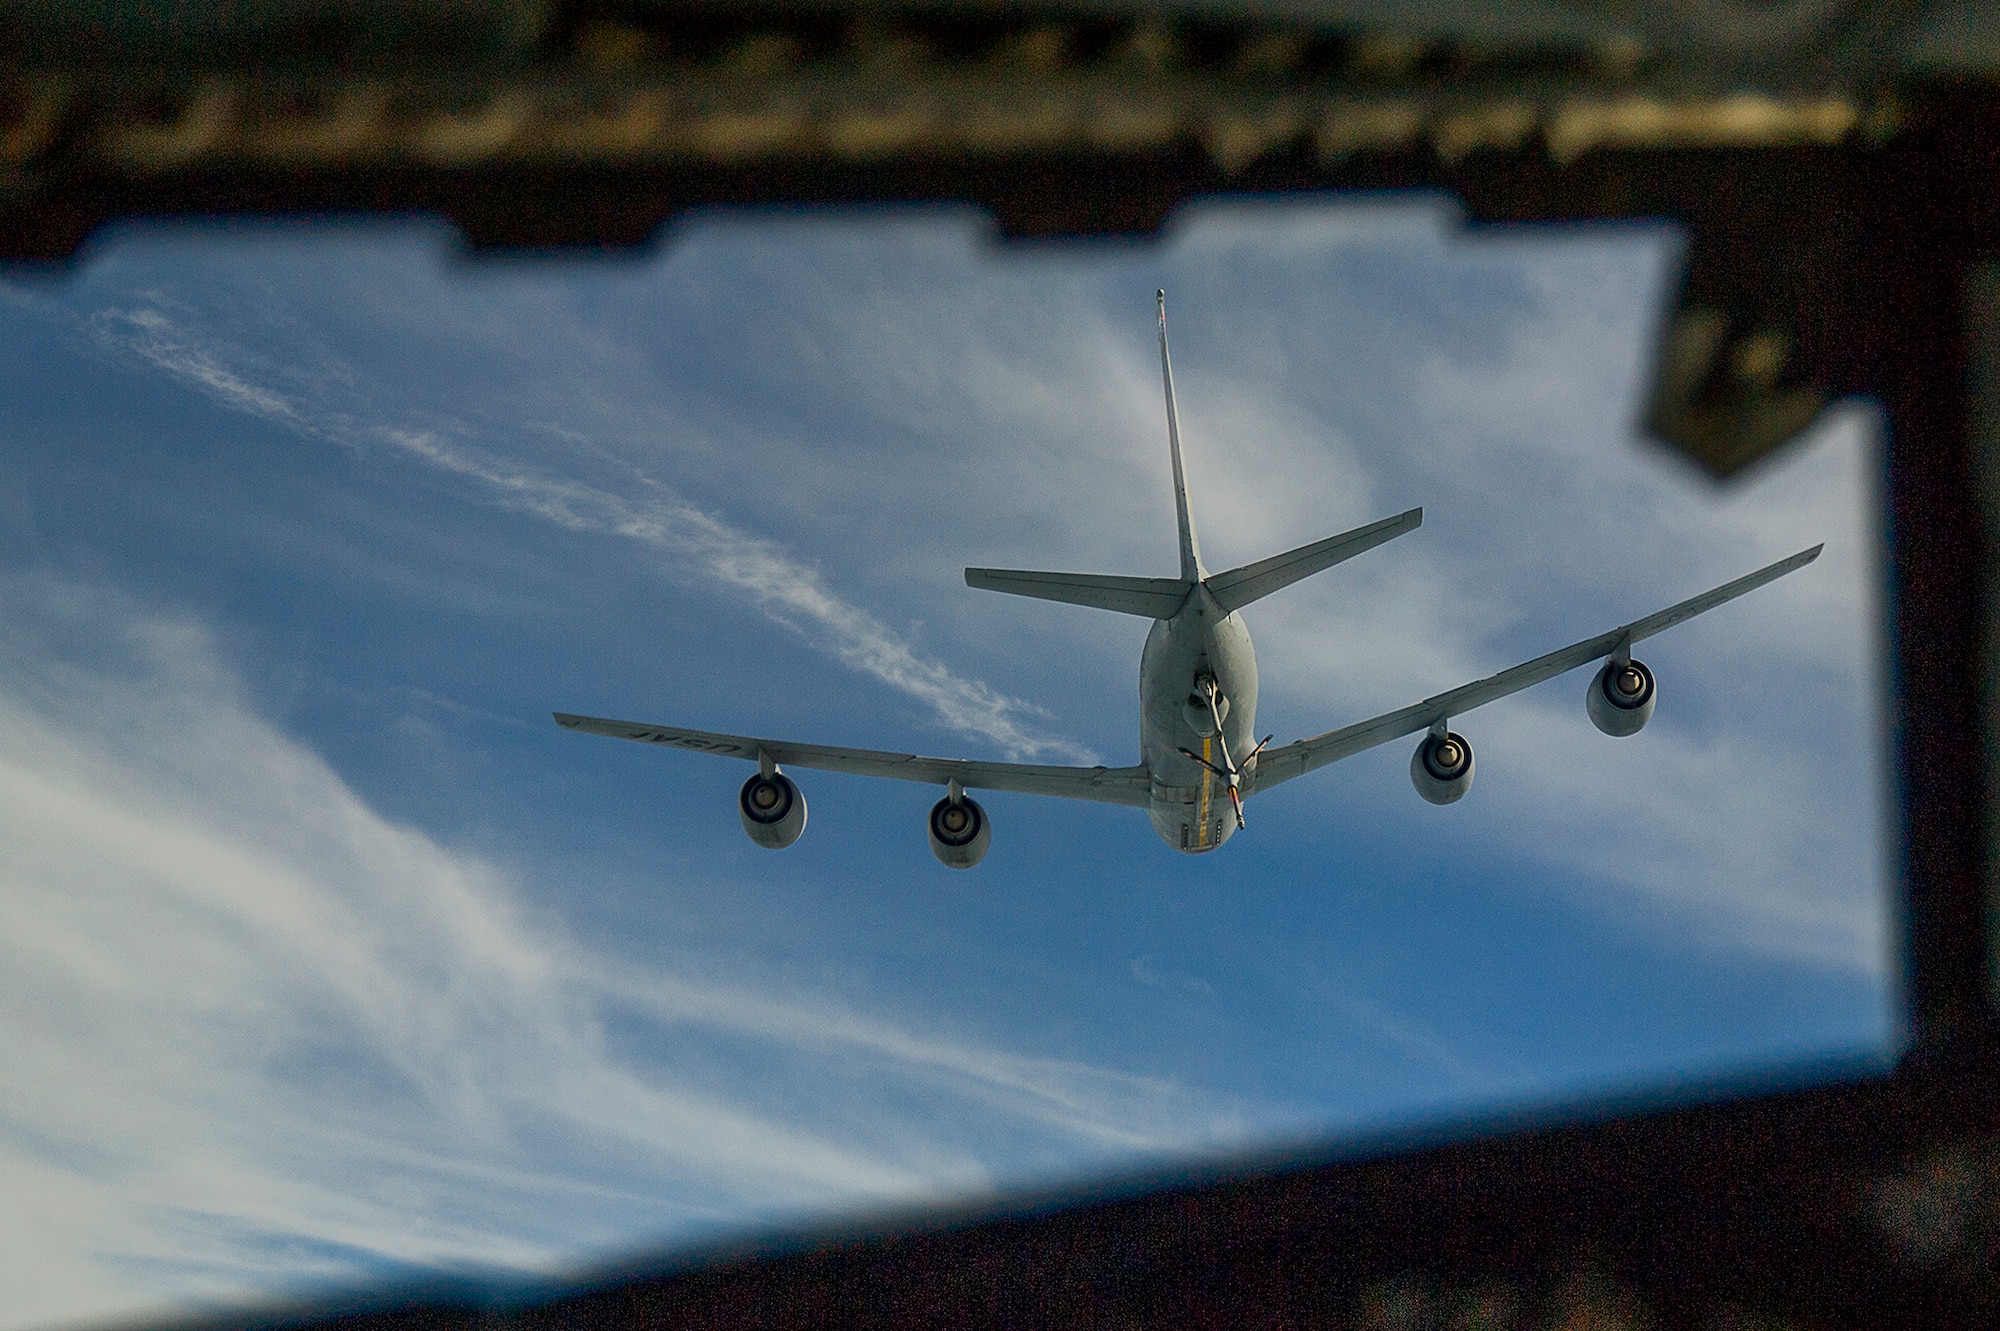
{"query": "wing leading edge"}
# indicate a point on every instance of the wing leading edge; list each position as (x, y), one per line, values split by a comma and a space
(1276, 766)
(1102, 785)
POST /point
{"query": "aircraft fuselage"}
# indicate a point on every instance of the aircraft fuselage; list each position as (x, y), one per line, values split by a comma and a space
(1190, 805)
(1197, 699)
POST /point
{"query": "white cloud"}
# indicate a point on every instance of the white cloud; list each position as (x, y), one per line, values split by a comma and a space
(1758, 827)
(1737, 840)
(255, 1034)
(702, 546)
(1749, 816)
(154, 336)
(1028, 411)
(264, 1034)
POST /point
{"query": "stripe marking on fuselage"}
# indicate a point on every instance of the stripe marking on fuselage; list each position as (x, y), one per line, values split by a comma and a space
(1207, 783)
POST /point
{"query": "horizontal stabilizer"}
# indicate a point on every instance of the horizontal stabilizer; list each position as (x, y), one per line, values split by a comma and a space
(1155, 598)
(1240, 586)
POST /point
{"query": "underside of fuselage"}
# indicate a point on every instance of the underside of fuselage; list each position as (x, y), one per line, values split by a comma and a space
(1190, 805)
(1197, 699)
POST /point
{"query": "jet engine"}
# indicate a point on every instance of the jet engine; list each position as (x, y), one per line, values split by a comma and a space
(1621, 698)
(1441, 768)
(772, 809)
(960, 832)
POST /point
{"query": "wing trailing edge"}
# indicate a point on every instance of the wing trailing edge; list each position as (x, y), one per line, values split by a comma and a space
(1276, 766)
(1130, 786)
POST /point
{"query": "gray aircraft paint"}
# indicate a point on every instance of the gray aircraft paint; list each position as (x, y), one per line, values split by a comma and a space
(1188, 800)
(1197, 631)
(1187, 809)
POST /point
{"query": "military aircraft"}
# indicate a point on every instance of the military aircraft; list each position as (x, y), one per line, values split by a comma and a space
(1197, 700)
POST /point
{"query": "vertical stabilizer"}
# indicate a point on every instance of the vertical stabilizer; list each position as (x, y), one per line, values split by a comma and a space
(1191, 569)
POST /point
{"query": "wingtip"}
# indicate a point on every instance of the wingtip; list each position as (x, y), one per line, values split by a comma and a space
(566, 721)
(1416, 516)
(1813, 553)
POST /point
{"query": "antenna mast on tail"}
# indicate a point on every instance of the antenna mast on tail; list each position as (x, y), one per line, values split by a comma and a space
(1191, 569)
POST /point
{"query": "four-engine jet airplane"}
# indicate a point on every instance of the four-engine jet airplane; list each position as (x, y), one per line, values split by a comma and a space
(1197, 700)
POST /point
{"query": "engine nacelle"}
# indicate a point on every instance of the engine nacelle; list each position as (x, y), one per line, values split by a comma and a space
(1621, 698)
(1441, 768)
(772, 809)
(960, 832)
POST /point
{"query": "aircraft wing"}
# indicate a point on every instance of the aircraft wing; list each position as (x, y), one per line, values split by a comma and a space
(1103, 785)
(1275, 766)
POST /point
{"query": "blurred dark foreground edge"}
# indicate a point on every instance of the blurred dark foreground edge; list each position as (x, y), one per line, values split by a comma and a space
(1860, 1203)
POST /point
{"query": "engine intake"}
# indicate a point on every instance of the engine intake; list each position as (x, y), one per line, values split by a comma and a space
(959, 831)
(772, 809)
(1441, 768)
(1621, 697)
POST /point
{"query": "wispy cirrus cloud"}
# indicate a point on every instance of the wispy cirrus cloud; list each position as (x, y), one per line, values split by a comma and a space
(696, 542)
(258, 1035)
(154, 336)
(1493, 382)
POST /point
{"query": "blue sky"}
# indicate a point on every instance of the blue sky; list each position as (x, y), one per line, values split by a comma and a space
(325, 953)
